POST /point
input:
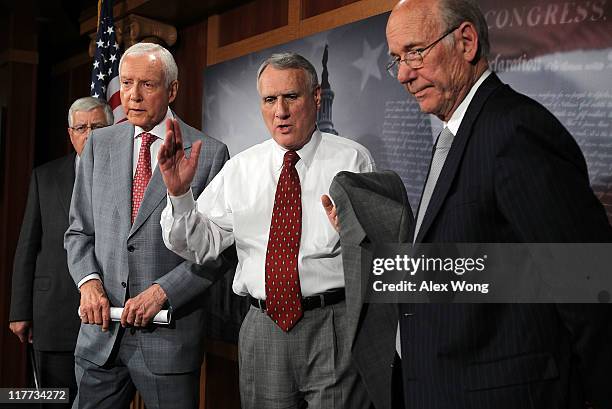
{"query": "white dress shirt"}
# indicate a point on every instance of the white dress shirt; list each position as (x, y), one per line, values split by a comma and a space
(236, 207)
(159, 131)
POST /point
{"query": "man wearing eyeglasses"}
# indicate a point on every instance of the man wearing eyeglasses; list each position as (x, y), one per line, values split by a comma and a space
(44, 299)
(503, 170)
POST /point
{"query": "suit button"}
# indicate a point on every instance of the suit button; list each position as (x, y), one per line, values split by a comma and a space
(131, 248)
(123, 284)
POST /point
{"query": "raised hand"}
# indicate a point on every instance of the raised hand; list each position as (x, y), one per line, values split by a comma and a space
(177, 170)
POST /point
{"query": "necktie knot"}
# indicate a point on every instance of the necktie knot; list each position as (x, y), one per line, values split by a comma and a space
(147, 139)
(290, 159)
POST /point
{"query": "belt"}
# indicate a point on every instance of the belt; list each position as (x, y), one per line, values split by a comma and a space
(309, 303)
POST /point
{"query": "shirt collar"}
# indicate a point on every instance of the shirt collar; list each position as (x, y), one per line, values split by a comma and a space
(306, 153)
(158, 130)
(455, 120)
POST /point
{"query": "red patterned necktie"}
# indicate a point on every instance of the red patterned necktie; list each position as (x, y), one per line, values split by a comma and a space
(143, 172)
(283, 293)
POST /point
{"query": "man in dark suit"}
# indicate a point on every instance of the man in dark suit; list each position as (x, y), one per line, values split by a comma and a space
(117, 257)
(504, 170)
(43, 299)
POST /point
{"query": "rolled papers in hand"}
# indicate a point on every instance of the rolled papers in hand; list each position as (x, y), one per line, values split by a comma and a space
(161, 318)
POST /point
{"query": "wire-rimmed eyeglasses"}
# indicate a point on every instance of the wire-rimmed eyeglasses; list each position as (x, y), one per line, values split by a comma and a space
(413, 58)
(84, 127)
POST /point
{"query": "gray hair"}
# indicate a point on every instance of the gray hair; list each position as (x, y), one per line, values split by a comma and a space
(455, 12)
(87, 104)
(168, 63)
(285, 61)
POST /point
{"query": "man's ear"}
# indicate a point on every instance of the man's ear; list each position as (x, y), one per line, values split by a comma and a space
(173, 91)
(469, 41)
(317, 96)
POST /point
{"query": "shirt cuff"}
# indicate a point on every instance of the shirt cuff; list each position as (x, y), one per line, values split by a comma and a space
(182, 204)
(94, 276)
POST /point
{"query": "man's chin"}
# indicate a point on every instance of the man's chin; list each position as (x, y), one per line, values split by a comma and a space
(140, 120)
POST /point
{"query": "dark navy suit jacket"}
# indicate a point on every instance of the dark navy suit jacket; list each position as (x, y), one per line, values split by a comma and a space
(513, 174)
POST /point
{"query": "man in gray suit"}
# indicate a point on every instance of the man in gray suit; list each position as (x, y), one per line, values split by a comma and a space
(117, 257)
(43, 298)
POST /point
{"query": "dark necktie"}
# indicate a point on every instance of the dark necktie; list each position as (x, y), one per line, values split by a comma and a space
(283, 293)
(143, 172)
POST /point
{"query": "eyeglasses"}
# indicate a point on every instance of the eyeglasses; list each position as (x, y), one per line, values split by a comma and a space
(413, 58)
(83, 128)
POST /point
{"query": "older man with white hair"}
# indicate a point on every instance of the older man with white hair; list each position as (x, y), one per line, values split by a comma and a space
(117, 257)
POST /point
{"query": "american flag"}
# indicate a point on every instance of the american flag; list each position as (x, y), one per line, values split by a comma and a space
(105, 72)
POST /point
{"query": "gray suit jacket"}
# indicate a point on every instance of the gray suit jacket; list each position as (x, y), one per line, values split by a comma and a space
(130, 258)
(372, 207)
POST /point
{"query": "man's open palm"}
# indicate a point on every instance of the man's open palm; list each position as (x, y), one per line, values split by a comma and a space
(177, 169)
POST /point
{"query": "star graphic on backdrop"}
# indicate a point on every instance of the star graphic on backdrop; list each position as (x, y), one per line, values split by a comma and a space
(109, 30)
(100, 43)
(368, 63)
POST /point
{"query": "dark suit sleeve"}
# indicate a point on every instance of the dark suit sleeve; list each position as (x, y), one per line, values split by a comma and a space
(188, 279)
(543, 190)
(25, 256)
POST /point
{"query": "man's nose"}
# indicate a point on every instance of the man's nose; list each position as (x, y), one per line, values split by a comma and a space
(405, 73)
(135, 94)
(282, 110)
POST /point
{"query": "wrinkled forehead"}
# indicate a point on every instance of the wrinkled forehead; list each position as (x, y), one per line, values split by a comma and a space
(275, 81)
(93, 115)
(411, 25)
(142, 65)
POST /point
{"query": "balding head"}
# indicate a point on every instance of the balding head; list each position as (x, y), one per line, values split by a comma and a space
(437, 50)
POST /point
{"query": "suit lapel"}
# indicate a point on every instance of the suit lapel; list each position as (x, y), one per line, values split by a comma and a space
(156, 189)
(121, 171)
(65, 181)
(449, 171)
